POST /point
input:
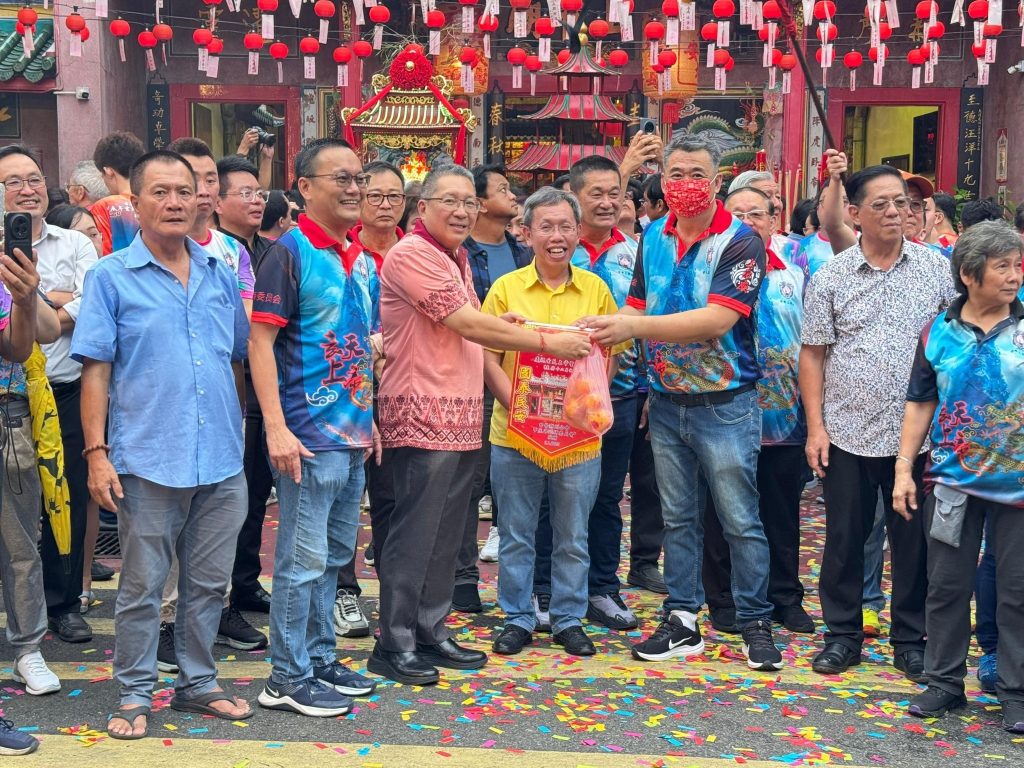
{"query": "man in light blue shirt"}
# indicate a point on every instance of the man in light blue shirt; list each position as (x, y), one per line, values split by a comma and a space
(160, 325)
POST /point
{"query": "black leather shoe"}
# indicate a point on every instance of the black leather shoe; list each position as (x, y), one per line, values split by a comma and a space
(911, 664)
(724, 620)
(794, 618)
(575, 641)
(466, 599)
(101, 572)
(647, 577)
(258, 601)
(402, 667)
(451, 655)
(71, 628)
(511, 640)
(835, 659)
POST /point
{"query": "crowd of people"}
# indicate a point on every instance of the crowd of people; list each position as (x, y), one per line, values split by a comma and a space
(206, 342)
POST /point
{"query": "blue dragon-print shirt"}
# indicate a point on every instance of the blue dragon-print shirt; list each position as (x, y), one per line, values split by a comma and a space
(978, 380)
(325, 298)
(613, 262)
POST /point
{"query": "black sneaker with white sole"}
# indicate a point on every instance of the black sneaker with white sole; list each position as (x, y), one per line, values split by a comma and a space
(759, 646)
(345, 681)
(672, 639)
(166, 658)
(235, 631)
(308, 697)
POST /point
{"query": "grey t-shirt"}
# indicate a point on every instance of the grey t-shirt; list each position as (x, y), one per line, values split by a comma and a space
(499, 259)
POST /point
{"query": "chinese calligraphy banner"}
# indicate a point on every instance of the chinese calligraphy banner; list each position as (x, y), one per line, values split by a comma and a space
(536, 418)
(158, 115)
(968, 167)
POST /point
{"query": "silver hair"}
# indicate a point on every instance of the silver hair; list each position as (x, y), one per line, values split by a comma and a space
(691, 142)
(979, 243)
(748, 179)
(546, 196)
(441, 171)
(88, 175)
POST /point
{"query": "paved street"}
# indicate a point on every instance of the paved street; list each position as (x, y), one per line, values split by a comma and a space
(541, 708)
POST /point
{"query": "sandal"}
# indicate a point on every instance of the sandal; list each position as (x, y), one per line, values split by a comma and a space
(201, 705)
(86, 599)
(129, 716)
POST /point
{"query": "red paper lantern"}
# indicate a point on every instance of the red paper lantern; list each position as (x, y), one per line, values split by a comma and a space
(882, 13)
(656, 68)
(599, 28)
(324, 9)
(164, 32)
(435, 19)
(832, 32)
(884, 30)
(729, 64)
(533, 63)
(521, 5)
(120, 28)
(721, 57)
(216, 47)
(563, 55)
(788, 61)
(467, 55)
(670, 8)
(202, 37)
(853, 59)
(309, 46)
(362, 49)
(723, 9)
(379, 14)
(488, 23)
(925, 8)
(85, 34)
(992, 30)
(516, 56)
(618, 58)
(709, 32)
(342, 55)
(253, 41)
(936, 31)
(267, 6)
(978, 10)
(572, 6)
(776, 56)
(873, 52)
(74, 22)
(771, 11)
(467, 2)
(667, 58)
(28, 17)
(915, 58)
(824, 9)
(278, 50)
(979, 50)
(544, 27)
(147, 39)
(654, 30)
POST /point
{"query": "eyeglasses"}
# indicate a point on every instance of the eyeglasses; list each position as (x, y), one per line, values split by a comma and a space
(376, 198)
(249, 195)
(344, 180)
(755, 215)
(34, 182)
(546, 230)
(901, 203)
(472, 205)
(916, 207)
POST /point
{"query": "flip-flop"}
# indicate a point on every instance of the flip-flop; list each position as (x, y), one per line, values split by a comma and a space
(201, 705)
(129, 715)
(86, 599)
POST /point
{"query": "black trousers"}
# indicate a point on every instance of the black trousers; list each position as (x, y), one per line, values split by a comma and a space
(780, 471)
(467, 571)
(646, 527)
(246, 572)
(417, 557)
(62, 575)
(852, 484)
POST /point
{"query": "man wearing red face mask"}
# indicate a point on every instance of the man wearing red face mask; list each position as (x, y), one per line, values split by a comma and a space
(694, 288)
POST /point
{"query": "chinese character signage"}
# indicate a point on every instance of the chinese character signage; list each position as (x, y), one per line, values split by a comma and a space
(968, 168)
(158, 115)
(495, 125)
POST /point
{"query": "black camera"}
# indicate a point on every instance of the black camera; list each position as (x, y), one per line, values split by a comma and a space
(648, 126)
(265, 137)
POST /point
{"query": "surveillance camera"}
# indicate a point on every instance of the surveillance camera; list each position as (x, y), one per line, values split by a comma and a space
(82, 93)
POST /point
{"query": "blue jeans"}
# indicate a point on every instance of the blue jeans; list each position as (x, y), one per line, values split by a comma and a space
(316, 535)
(722, 442)
(874, 560)
(520, 485)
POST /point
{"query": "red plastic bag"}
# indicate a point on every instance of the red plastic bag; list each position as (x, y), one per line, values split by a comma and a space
(588, 403)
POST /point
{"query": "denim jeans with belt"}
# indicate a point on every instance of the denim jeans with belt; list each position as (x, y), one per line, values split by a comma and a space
(722, 441)
(520, 485)
(316, 535)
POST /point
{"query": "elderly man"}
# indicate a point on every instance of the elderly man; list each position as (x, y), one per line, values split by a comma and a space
(431, 413)
(549, 290)
(158, 308)
(64, 256)
(863, 312)
(86, 185)
(316, 306)
(780, 464)
(694, 289)
(114, 215)
(967, 390)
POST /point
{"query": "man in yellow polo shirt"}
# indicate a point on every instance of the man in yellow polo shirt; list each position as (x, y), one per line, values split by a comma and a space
(547, 291)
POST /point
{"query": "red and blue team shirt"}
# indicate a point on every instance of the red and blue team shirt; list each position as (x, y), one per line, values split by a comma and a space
(943, 245)
(978, 380)
(235, 255)
(325, 298)
(724, 266)
(779, 314)
(613, 262)
(814, 251)
(116, 220)
(378, 258)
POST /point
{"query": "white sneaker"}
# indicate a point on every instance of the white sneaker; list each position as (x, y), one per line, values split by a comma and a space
(349, 620)
(489, 553)
(31, 671)
(364, 501)
(484, 507)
